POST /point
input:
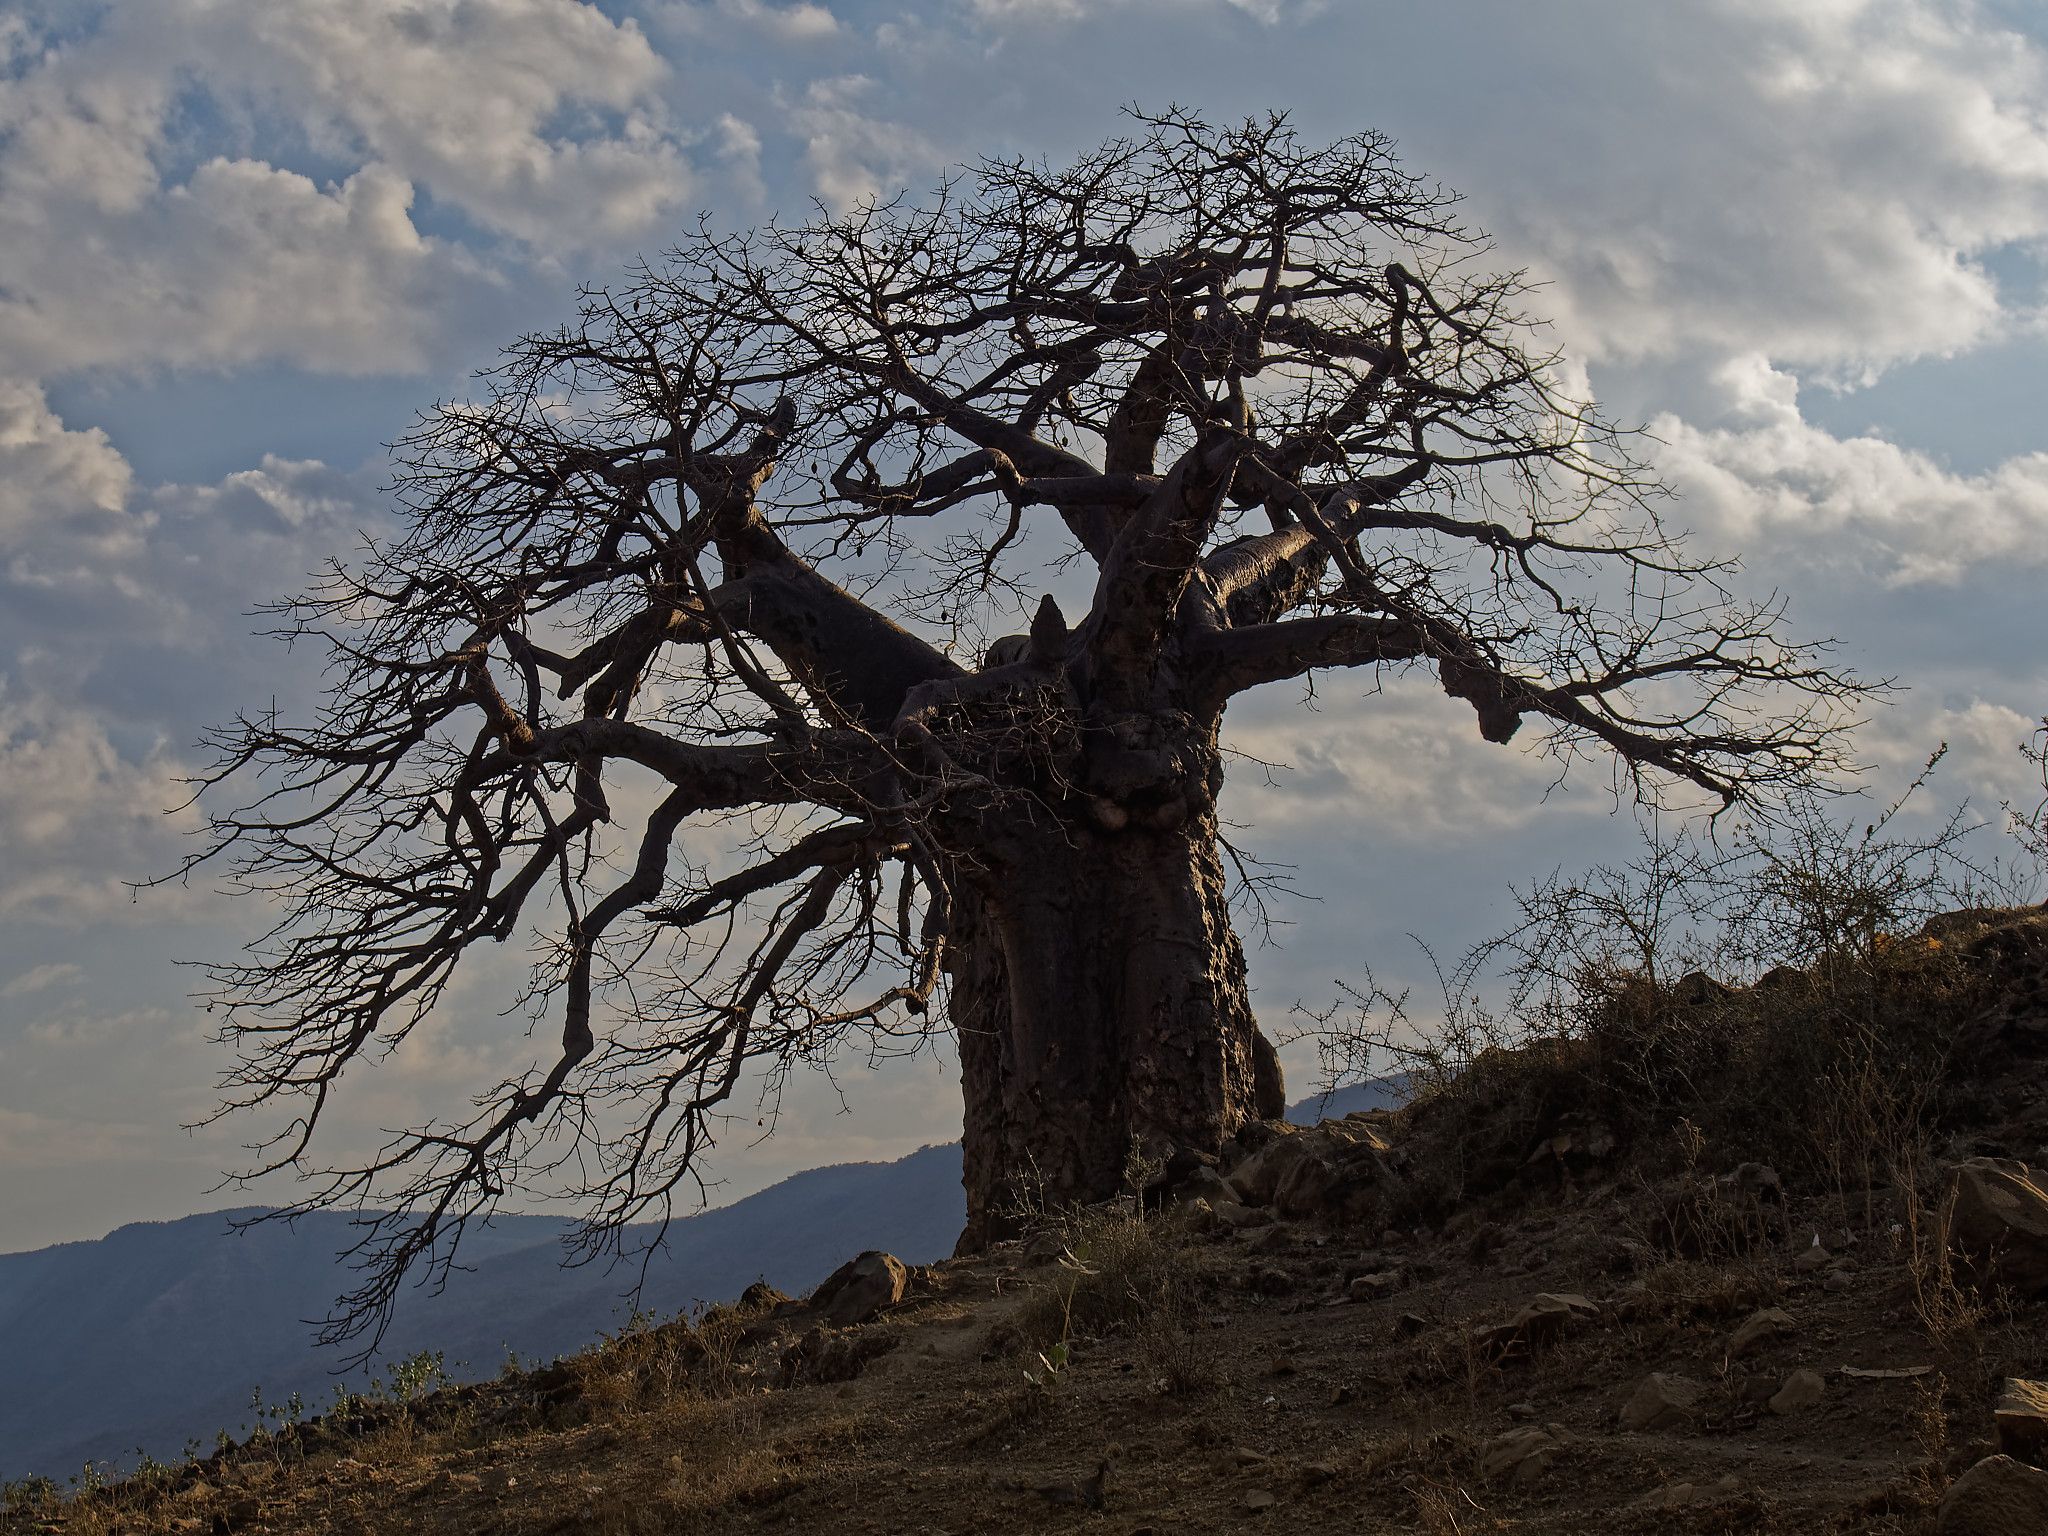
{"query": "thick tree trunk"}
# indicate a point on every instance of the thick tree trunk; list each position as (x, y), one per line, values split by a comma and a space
(1099, 996)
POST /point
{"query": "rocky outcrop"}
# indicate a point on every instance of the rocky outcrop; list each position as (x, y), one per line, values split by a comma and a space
(1520, 1456)
(1341, 1170)
(1543, 1319)
(823, 1355)
(1998, 1219)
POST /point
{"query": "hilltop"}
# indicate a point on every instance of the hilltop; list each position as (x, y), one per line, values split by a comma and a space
(1724, 1259)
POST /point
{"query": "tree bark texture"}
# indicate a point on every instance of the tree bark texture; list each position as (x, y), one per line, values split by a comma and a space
(1099, 997)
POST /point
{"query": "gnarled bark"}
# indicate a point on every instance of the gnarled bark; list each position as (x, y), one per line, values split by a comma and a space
(1099, 996)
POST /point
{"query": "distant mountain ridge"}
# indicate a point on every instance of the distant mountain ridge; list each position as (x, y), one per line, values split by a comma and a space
(1389, 1092)
(157, 1333)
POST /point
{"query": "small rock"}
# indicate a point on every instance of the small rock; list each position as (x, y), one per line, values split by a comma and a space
(825, 1356)
(1837, 1280)
(1758, 1180)
(1259, 1500)
(1682, 1495)
(1802, 1389)
(1660, 1401)
(1205, 1183)
(1484, 1244)
(762, 1297)
(1043, 1247)
(1518, 1457)
(1544, 1319)
(1813, 1257)
(1521, 1410)
(1240, 1217)
(1760, 1329)
(860, 1288)
(1996, 1497)
(2021, 1414)
(1245, 1456)
(1373, 1287)
(1551, 1314)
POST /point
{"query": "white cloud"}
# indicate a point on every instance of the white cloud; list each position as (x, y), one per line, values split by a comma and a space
(134, 241)
(1403, 760)
(798, 21)
(240, 263)
(851, 154)
(477, 99)
(77, 818)
(1818, 182)
(1769, 481)
(39, 978)
(58, 486)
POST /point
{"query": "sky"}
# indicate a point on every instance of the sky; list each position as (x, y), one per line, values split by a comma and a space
(1801, 242)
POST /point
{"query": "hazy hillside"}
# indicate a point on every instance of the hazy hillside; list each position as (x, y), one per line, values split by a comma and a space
(157, 1332)
(1380, 1093)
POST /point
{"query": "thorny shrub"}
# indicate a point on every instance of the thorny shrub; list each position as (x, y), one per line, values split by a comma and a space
(1784, 995)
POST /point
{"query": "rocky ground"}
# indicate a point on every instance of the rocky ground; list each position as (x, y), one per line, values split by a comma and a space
(1601, 1343)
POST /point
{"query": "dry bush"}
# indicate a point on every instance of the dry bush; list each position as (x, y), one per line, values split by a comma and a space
(1954, 1312)
(1121, 1269)
(1688, 1291)
(1173, 1351)
(646, 1362)
(1433, 1469)
(727, 1461)
(1824, 1048)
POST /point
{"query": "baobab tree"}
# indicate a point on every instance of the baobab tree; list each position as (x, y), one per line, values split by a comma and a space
(687, 667)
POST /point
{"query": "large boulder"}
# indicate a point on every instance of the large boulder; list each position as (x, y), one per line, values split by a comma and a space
(858, 1289)
(1998, 1218)
(1996, 1497)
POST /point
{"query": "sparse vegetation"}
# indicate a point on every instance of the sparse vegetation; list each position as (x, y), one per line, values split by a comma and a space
(1781, 999)
(1722, 1184)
